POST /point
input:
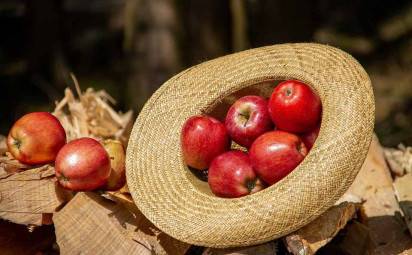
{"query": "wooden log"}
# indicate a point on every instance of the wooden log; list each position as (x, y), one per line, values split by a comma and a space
(17, 239)
(309, 239)
(110, 229)
(154, 236)
(381, 212)
(403, 191)
(30, 196)
(269, 248)
(356, 240)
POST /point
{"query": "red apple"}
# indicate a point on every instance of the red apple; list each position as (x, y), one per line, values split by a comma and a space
(275, 154)
(36, 138)
(117, 178)
(247, 119)
(203, 138)
(294, 107)
(231, 175)
(82, 164)
(309, 138)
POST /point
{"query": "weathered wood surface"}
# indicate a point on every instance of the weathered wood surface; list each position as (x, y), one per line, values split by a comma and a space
(403, 190)
(152, 234)
(380, 214)
(110, 228)
(309, 239)
(269, 248)
(17, 239)
(29, 197)
(380, 210)
(399, 160)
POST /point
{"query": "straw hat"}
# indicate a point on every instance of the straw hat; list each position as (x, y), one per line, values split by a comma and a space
(182, 206)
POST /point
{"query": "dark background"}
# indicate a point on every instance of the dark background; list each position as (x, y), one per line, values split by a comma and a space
(130, 47)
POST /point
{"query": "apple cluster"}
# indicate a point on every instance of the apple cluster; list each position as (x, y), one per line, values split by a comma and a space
(80, 165)
(276, 135)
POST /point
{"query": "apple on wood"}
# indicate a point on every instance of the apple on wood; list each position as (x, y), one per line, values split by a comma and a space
(36, 138)
(275, 154)
(294, 107)
(231, 175)
(247, 119)
(82, 164)
(203, 138)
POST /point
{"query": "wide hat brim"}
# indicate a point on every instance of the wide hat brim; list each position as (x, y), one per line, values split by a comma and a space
(169, 195)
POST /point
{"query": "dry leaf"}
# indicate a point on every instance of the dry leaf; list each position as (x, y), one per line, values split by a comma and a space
(90, 115)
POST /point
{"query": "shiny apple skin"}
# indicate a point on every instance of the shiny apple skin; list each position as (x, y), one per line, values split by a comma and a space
(202, 139)
(294, 107)
(82, 164)
(275, 154)
(36, 138)
(231, 175)
(117, 155)
(309, 138)
(247, 119)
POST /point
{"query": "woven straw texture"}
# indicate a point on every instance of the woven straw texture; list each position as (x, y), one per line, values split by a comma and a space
(170, 196)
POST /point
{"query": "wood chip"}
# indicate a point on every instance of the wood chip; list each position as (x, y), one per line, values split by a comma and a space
(403, 190)
(381, 212)
(269, 248)
(110, 228)
(319, 232)
(26, 196)
(399, 160)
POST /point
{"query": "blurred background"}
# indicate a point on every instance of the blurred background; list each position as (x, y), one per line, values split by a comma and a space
(130, 47)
